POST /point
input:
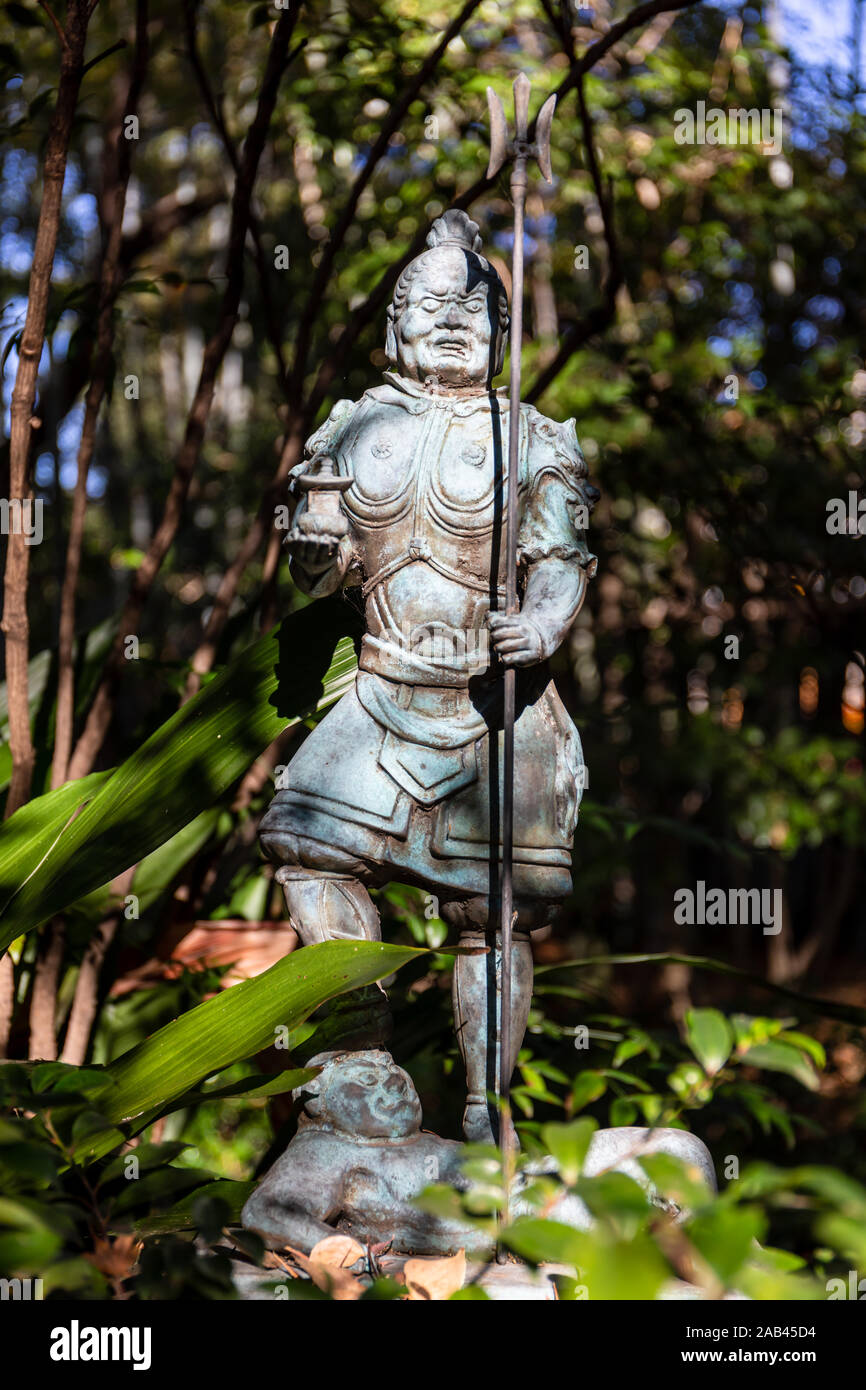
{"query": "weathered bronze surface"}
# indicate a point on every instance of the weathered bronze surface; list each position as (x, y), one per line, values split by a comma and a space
(401, 496)
(358, 1159)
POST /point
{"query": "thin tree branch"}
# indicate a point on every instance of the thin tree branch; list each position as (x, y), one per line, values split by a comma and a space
(86, 1000)
(109, 285)
(335, 242)
(205, 653)
(7, 1001)
(216, 114)
(101, 710)
(43, 1000)
(15, 623)
(64, 42)
(599, 317)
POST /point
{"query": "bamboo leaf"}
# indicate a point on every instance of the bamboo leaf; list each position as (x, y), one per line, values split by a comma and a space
(236, 1024)
(29, 836)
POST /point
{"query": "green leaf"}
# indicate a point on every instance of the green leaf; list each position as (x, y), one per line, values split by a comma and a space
(159, 1188)
(781, 1056)
(725, 1237)
(678, 1181)
(28, 837)
(588, 1086)
(710, 1037)
(182, 769)
(617, 1198)
(568, 1144)
(156, 872)
(182, 1216)
(146, 1156)
(540, 1241)
(239, 1022)
(28, 1236)
(248, 1087)
(806, 1044)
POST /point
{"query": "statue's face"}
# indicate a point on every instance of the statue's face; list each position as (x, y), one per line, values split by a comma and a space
(368, 1094)
(446, 327)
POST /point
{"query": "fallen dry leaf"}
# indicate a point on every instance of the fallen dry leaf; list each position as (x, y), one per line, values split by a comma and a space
(115, 1258)
(339, 1283)
(339, 1252)
(435, 1280)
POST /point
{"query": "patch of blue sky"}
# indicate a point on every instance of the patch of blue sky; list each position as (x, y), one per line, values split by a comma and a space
(16, 251)
(69, 431)
(20, 170)
(83, 213)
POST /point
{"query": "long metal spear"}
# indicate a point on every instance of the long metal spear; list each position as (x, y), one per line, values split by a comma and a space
(519, 150)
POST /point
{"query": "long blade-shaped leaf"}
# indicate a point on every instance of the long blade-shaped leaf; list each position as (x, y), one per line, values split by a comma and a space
(233, 1026)
(29, 836)
(185, 766)
(242, 1020)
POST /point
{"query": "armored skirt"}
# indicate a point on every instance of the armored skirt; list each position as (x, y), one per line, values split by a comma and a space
(405, 782)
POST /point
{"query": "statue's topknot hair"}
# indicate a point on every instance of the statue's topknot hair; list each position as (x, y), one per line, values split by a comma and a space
(454, 228)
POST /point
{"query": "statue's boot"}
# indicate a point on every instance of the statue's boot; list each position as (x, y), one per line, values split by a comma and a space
(477, 1000)
(327, 906)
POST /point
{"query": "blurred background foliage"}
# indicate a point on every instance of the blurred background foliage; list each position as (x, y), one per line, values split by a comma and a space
(699, 310)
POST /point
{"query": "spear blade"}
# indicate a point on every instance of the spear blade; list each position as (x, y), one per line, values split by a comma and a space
(542, 138)
(498, 134)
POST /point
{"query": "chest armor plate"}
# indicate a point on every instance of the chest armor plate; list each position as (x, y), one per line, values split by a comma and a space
(429, 483)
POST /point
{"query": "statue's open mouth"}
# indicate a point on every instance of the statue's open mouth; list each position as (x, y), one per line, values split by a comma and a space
(458, 345)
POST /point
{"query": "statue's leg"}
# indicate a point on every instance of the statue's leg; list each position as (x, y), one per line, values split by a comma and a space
(327, 901)
(477, 1002)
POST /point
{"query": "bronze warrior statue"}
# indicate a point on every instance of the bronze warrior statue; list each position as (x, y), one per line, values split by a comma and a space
(402, 494)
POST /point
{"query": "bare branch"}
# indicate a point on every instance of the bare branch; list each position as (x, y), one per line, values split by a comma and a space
(16, 624)
(85, 1002)
(64, 42)
(599, 317)
(7, 1001)
(109, 285)
(389, 126)
(43, 1000)
(101, 710)
(216, 114)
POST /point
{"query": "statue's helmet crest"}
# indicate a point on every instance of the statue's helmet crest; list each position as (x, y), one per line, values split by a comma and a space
(455, 228)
